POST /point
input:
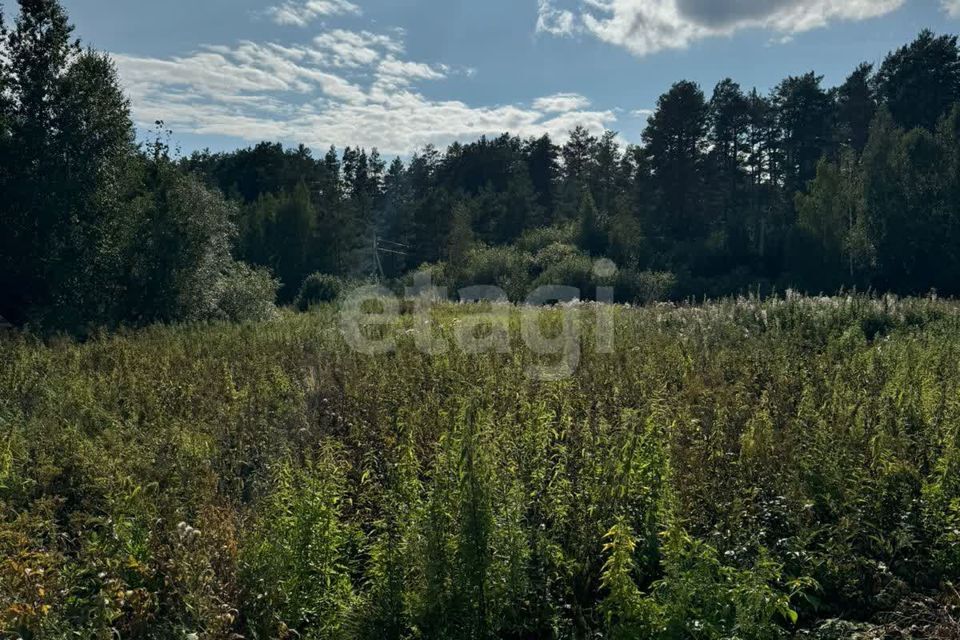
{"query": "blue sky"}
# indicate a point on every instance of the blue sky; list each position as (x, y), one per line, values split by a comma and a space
(399, 74)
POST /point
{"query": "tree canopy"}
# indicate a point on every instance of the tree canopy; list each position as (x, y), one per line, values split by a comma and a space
(809, 187)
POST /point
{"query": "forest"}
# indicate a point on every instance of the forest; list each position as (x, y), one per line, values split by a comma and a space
(756, 435)
(806, 187)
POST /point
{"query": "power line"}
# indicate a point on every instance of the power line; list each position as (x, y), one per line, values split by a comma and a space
(378, 249)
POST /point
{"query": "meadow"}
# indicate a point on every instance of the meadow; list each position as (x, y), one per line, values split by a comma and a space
(740, 469)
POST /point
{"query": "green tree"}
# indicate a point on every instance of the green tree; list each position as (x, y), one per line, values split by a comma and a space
(920, 82)
(805, 116)
(606, 180)
(461, 239)
(543, 165)
(67, 139)
(184, 237)
(838, 250)
(675, 137)
(397, 222)
(856, 108)
(906, 187)
(729, 119)
(626, 242)
(579, 155)
(290, 238)
(593, 234)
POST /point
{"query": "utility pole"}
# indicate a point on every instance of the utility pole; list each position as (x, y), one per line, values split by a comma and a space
(385, 246)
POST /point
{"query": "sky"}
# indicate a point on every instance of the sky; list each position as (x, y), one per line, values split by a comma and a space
(400, 74)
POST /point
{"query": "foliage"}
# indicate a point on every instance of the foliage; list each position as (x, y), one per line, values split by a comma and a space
(503, 267)
(318, 288)
(94, 232)
(738, 469)
(808, 187)
(293, 562)
(245, 294)
(645, 286)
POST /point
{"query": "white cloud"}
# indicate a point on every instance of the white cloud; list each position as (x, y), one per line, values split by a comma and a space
(555, 21)
(345, 88)
(300, 13)
(952, 7)
(561, 103)
(403, 70)
(342, 48)
(647, 26)
(249, 69)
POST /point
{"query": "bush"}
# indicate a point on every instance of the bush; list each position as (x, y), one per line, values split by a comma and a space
(554, 254)
(293, 563)
(573, 271)
(437, 273)
(644, 287)
(535, 240)
(317, 289)
(247, 294)
(504, 267)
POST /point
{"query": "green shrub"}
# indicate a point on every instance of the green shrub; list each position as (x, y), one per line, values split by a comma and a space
(295, 557)
(574, 270)
(644, 287)
(555, 254)
(317, 289)
(535, 240)
(504, 267)
(245, 294)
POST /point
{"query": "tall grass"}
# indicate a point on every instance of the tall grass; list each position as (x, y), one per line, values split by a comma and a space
(735, 469)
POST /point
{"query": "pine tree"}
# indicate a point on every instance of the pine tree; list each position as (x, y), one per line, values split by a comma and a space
(289, 238)
(544, 167)
(725, 199)
(805, 116)
(461, 237)
(675, 137)
(920, 83)
(856, 107)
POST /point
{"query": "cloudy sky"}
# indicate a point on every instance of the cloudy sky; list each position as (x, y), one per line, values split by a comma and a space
(399, 74)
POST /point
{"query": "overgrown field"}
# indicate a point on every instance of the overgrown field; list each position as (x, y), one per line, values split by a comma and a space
(735, 470)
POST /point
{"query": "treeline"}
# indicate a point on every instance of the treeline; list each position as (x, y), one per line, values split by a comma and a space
(808, 187)
(95, 230)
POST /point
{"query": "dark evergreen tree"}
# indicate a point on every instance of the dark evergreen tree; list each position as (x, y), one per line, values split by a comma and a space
(543, 165)
(290, 239)
(675, 139)
(726, 193)
(856, 108)
(920, 83)
(805, 116)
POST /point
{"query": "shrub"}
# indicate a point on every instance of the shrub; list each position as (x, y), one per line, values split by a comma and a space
(317, 289)
(575, 270)
(247, 294)
(701, 597)
(534, 240)
(644, 287)
(437, 273)
(504, 267)
(554, 254)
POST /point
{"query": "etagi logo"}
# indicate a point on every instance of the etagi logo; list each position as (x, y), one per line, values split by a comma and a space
(550, 322)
